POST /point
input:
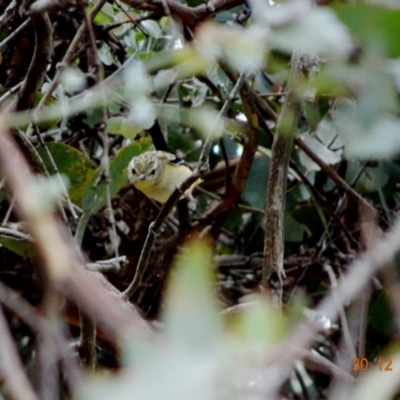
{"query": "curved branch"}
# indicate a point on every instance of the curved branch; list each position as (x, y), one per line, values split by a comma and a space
(38, 66)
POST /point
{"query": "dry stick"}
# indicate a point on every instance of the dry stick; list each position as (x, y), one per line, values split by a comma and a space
(10, 93)
(369, 232)
(58, 252)
(87, 339)
(301, 65)
(48, 384)
(165, 210)
(8, 12)
(111, 265)
(187, 16)
(353, 282)
(7, 41)
(316, 362)
(15, 381)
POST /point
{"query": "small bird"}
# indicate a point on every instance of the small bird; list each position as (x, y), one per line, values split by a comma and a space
(157, 174)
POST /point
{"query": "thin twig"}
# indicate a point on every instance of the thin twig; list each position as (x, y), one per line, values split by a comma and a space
(10, 93)
(203, 166)
(8, 40)
(111, 265)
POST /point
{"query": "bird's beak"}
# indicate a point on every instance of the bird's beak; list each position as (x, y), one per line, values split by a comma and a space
(142, 177)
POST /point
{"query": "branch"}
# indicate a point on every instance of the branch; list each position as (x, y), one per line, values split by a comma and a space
(280, 156)
(38, 66)
(187, 16)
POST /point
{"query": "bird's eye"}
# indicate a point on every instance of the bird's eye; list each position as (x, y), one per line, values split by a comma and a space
(153, 172)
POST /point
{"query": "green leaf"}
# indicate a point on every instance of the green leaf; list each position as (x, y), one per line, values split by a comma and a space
(72, 163)
(123, 126)
(374, 26)
(260, 324)
(191, 314)
(94, 196)
(256, 185)
(105, 55)
(329, 156)
(372, 178)
(380, 316)
(309, 217)
(294, 231)
(24, 248)
(105, 16)
(152, 28)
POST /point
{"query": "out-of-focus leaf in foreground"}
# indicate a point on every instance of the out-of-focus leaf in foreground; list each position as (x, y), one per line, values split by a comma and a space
(72, 163)
(197, 355)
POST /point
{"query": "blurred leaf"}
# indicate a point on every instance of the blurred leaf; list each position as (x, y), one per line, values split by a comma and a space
(380, 316)
(24, 248)
(144, 55)
(309, 217)
(297, 27)
(93, 117)
(294, 231)
(330, 157)
(105, 16)
(105, 55)
(371, 179)
(256, 185)
(191, 315)
(243, 48)
(94, 196)
(151, 27)
(114, 125)
(366, 132)
(259, 323)
(377, 27)
(123, 126)
(72, 163)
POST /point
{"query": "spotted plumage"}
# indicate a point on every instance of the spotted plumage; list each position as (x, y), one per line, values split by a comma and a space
(157, 174)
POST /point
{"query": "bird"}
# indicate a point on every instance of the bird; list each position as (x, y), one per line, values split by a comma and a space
(158, 173)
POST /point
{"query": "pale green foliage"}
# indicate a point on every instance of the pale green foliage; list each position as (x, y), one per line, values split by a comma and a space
(45, 193)
(200, 355)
